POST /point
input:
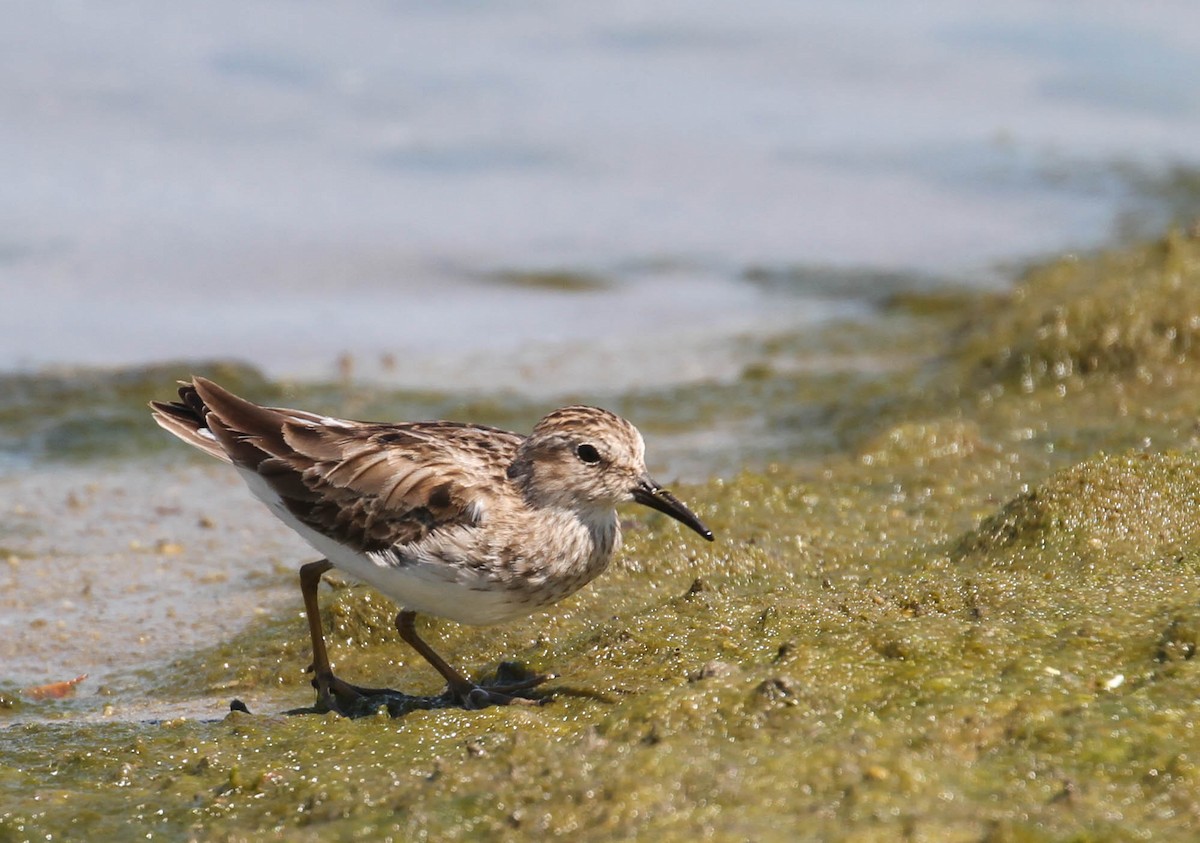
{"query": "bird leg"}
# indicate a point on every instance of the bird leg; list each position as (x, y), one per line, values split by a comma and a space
(463, 690)
(332, 693)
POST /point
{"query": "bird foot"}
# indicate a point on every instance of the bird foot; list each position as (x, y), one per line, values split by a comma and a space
(341, 697)
(472, 696)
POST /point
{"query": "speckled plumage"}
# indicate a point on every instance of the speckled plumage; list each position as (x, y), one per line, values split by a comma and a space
(461, 521)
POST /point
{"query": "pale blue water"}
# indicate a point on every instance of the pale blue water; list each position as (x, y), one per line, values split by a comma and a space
(283, 182)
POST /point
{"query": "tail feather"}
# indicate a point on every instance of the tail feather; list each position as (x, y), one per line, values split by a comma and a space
(249, 432)
(187, 419)
(216, 421)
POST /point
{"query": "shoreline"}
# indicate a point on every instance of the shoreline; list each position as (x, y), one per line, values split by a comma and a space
(985, 565)
(113, 570)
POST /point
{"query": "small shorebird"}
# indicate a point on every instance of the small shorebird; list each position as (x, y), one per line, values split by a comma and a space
(460, 521)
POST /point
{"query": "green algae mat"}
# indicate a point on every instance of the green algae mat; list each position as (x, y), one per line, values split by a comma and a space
(967, 609)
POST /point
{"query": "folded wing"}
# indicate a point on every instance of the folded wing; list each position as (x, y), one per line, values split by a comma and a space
(373, 486)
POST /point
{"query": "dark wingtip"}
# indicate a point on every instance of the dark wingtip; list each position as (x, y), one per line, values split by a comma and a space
(190, 407)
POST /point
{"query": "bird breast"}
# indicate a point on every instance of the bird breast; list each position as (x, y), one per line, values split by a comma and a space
(497, 571)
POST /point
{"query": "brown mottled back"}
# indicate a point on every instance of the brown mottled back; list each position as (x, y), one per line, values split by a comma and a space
(373, 486)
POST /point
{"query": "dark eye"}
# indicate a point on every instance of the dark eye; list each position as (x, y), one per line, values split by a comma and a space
(588, 453)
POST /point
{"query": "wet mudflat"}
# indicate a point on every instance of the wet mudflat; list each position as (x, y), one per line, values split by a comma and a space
(957, 599)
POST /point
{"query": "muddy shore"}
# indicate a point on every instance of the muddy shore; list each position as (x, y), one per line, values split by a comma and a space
(967, 610)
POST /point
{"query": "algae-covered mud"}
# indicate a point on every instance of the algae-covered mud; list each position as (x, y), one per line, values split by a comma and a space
(955, 596)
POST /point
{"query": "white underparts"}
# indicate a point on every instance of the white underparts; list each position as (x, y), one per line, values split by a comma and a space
(426, 585)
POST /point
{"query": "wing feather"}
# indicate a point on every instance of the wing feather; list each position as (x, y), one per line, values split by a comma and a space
(371, 486)
(367, 469)
(379, 494)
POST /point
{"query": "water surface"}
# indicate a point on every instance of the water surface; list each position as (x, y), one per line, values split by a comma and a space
(287, 184)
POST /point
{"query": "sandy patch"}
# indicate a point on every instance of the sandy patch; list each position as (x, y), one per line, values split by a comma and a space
(107, 569)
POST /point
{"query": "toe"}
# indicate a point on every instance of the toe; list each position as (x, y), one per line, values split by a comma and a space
(476, 697)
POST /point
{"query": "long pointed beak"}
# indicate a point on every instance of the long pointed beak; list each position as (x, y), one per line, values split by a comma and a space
(648, 493)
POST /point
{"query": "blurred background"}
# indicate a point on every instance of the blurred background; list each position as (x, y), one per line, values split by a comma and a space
(554, 198)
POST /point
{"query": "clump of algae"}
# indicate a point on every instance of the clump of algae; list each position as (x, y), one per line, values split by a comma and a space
(1099, 511)
(70, 414)
(1133, 312)
(977, 622)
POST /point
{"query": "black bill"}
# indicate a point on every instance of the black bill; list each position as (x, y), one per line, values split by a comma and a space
(648, 493)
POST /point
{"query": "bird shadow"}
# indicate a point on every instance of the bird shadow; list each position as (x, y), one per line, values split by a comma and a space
(398, 704)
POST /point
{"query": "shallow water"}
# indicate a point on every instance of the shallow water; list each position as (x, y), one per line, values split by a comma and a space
(286, 185)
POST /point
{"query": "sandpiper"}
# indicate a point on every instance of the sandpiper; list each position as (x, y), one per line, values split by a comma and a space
(460, 521)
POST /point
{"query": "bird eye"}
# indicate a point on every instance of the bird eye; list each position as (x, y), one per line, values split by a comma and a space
(588, 453)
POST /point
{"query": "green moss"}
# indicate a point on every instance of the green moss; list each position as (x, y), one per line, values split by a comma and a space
(1133, 312)
(1110, 508)
(970, 613)
(741, 690)
(558, 280)
(80, 413)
